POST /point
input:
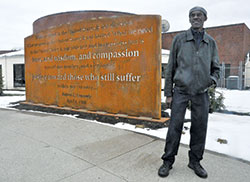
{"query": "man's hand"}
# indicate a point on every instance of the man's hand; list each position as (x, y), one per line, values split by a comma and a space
(169, 102)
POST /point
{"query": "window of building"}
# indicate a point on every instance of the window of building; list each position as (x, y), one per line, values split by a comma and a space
(19, 75)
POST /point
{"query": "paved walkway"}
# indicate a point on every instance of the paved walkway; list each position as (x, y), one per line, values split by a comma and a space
(37, 147)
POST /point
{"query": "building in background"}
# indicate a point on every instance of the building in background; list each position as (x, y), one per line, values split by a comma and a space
(13, 71)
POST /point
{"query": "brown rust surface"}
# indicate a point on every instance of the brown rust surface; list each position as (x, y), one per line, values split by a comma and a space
(110, 64)
(53, 20)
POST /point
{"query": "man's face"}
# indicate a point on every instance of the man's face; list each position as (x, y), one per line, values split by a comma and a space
(197, 19)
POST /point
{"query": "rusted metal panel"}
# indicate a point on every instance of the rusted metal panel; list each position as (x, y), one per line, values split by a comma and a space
(53, 20)
(109, 64)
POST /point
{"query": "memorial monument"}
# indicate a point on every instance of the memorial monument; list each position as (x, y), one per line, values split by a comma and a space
(109, 64)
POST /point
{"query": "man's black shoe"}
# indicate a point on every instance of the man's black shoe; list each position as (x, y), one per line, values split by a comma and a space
(198, 169)
(164, 170)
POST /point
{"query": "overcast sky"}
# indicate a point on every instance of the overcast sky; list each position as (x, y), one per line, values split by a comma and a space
(17, 16)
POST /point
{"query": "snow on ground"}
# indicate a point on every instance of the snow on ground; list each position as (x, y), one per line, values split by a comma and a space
(232, 128)
(227, 134)
(6, 100)
(236, 100)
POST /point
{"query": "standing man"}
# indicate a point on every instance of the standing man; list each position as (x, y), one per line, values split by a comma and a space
(193, 67)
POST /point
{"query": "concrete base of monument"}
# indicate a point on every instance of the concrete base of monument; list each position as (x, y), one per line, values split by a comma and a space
(100, 116)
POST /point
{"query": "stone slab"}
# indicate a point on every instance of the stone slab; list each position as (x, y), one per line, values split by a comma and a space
(90, 141)
(23, 159)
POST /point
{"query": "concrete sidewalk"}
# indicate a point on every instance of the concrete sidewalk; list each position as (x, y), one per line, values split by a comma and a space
(36, 147)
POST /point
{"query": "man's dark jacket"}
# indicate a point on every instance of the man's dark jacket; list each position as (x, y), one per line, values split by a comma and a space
(192, 69)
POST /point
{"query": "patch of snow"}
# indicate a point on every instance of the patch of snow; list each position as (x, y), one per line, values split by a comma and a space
(5, 101)
(236, 100)
(19, 92)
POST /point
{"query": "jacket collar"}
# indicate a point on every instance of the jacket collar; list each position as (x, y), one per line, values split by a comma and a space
(191, 37)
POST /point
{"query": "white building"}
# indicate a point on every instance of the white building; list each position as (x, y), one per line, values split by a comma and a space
(164, 62)
(247, 72)
(12, 66)
(165, 56)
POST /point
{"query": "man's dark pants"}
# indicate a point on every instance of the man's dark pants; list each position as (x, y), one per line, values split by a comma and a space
(198, 130)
